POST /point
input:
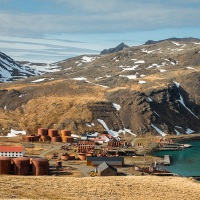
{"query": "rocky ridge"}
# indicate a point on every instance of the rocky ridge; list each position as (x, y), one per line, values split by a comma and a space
(119, 47)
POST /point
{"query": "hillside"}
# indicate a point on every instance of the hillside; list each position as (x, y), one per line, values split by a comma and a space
(149, 89)
(118, 188)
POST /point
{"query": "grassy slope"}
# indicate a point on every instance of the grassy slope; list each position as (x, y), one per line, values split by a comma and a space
(99, 188)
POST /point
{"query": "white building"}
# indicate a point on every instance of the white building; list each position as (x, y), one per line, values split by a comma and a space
(12, 151)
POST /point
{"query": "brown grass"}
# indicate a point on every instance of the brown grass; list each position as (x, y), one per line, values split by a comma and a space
(118, 188)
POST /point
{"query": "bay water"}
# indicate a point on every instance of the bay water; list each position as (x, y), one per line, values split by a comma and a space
(184, 162)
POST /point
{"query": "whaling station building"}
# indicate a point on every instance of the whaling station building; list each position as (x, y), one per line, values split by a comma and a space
(12, 151)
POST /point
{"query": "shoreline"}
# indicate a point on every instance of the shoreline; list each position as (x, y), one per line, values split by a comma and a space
(179, 138)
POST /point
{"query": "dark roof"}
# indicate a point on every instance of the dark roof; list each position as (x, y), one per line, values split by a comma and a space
(104, 166)
(104, 159)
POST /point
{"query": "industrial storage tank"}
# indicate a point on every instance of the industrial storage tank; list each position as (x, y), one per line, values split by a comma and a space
(21, 166)
(36, 138)
(5, 165)
(67, 139)
(65, 157)
(44, 138)
(58, 163)
(43, 131)
(53, 132)
(71, 157)
(65, 133)
(40, 166)
(56, 139)
(82, 156)
(29, 139)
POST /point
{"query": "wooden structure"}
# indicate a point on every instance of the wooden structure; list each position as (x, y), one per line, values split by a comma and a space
(104, 169)
(166, 160)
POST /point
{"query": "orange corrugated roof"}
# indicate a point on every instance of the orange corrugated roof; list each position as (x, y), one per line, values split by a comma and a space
(11, 148)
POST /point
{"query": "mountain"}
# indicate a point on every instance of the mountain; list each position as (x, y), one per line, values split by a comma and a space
(143, 90)
(41, 68)
(11, 70)
(115, 49)
(188, 39)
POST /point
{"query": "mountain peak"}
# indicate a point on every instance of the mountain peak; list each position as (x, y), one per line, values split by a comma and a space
(119, 47)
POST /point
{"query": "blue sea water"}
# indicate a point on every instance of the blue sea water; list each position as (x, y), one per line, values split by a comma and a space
(184, 162)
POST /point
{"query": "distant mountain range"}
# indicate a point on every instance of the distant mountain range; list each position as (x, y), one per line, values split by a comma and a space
(115, 49)
(11, 70)
(188, 39)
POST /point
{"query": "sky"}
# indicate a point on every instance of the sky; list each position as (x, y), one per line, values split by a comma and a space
(53, 30)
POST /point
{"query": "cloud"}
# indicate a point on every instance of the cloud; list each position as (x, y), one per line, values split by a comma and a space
(45, 50)
(55, 27)
(103, 16)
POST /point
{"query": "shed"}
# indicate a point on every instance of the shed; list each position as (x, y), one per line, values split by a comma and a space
(114, 161)
(104, 169)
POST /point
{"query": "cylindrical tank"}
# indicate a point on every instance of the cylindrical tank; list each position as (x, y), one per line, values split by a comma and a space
(65, 133)
(82, 156)
(58, 163)
(43, 131)
(89, 154)
(37, 137)
(53, 132)
(65, 157)
(29, 139)
(5, 165)
(56, 139)
(67, 139)
(71, 156)
(44, 138)
(21, 166)
(40, 166)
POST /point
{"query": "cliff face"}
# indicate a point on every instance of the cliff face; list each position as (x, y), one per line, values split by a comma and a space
(149, 89)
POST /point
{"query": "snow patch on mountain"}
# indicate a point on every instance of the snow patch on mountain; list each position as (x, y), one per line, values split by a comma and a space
(114, 133)
(129, 76)
(189, 131)
(182, 102)
(87, 59)
(116, 106)
(158, 130)
(14, 133)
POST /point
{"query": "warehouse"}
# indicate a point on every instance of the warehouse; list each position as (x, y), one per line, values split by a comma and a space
(12, 151)
(114, 161)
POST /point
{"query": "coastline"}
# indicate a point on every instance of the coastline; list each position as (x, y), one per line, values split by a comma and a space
(180, 138)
